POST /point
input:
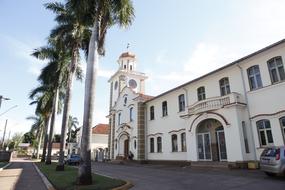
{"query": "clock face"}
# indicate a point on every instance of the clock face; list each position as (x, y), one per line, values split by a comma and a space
(116, 85)
(132, 83)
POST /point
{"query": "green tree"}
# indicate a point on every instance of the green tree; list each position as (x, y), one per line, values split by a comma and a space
(101, 15)
(37, 129)
(75, 36)
(72, 123)
(53, 79)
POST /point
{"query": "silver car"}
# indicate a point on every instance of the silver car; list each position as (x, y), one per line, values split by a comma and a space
(272, 160)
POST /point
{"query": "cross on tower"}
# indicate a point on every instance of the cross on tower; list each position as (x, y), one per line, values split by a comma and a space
(128, 46)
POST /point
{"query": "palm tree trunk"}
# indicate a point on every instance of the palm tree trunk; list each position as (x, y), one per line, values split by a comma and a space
(84, 171)
(54, 112)
(39, 143)
(66, 110)
(46, 138)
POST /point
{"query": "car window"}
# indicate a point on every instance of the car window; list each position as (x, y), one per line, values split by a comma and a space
(269, 152)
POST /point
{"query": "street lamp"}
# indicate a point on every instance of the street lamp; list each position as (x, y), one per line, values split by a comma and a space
(3, 98)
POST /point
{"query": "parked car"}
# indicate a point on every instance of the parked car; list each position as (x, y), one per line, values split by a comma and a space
(73, 159)
(272, 160)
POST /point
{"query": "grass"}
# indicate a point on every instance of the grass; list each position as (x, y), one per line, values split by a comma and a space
(65, 180)
(2, 164)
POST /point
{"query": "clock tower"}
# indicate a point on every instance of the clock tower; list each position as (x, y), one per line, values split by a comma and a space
(126, 76)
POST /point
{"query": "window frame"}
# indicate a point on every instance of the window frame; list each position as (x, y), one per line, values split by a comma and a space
(282, 127)
(174, 142)
(252, 74)
(151, 145)
(225, 87)
(119, 118)
(183, 142)
(262, 123)
(201, 93)
(131, 114)
(151, 113)
(181, 102)
(276, 68)
(159, 144)
(164, 109)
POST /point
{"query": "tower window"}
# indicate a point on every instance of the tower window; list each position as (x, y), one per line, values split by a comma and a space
(131, 67)
(125, 66)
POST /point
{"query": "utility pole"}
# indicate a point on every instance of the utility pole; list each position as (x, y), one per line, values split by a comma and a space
(2, 146)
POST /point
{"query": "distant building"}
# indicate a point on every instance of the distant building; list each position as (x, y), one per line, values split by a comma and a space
(228, 115)
(99, 141)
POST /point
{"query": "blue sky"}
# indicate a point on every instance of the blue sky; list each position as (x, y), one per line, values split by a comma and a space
(174, 40)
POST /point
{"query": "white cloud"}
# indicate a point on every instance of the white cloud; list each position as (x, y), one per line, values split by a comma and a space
(23, 50)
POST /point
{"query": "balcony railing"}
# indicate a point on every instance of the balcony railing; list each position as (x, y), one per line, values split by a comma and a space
(215, 103)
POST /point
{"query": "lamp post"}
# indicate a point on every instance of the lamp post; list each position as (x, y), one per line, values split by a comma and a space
(3, 98)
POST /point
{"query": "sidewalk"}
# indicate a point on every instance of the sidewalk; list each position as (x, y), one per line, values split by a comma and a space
(21, 175)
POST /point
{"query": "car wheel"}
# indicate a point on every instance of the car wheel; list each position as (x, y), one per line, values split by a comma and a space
(270, 174)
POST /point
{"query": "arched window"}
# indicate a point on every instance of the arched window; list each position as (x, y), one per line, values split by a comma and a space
(174, 143)
(276, 69)
(131, 67)
(159, 145)
(183, 142)
(135, 144)
(264, 131)
(254, 77)
(151, 144)
(131, 114)
(201, 93)
(225, 86)
(164, 108)
(151, 112)
(181, 102)
(119, 119)
(282, 124)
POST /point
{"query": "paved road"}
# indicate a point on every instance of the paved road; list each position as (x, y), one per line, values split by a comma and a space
(21, 175)
(153, 177)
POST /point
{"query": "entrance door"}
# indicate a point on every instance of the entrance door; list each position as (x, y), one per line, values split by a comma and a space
(126, 147)
(204, 146)
(222, 145)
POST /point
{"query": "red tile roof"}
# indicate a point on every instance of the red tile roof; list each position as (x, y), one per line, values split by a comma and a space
(128, 54)
(101, 129)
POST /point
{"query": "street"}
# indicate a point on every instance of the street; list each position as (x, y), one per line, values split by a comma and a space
(151, 177)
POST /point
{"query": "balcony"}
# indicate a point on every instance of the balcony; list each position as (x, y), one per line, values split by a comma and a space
(216, 103)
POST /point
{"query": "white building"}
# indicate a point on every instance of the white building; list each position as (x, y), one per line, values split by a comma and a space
(99, 141)
(227, 115)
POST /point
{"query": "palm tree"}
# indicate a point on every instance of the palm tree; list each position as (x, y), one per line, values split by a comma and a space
(42, 97)
(103, 14)
(72, 123)
(37, 129)
(54, 77)
(75, 37)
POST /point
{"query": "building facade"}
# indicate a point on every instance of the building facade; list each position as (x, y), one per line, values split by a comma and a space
(99, 141)
(228, 115)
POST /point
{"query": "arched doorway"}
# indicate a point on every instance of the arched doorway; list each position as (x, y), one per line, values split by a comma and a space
(124, 145)
(211, 143)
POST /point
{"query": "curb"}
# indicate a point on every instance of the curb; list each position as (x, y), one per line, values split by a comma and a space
(126, 186)
(7, 165)
(48, 185)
